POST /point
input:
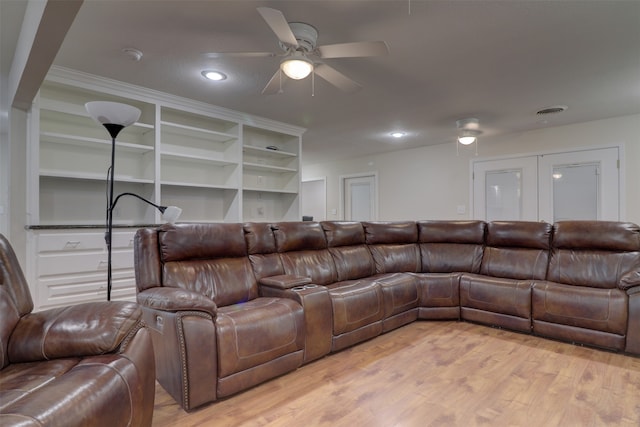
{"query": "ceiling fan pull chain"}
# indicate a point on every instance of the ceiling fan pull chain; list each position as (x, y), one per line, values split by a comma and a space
(409, 7)
(313, 83)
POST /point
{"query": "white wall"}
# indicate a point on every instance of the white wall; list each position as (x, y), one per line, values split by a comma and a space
(431, 182)
(5, 170)
(18, 184)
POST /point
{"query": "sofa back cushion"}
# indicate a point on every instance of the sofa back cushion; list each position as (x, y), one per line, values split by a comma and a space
(343, 233)
(346, 243)
(393, 246)
(261, 246)
(516, 250)
(12, 278)
(593, 253)
(210, 259)
(187, 242)
(451, 246)
(303, 251)
(298, 236)
(15, 298)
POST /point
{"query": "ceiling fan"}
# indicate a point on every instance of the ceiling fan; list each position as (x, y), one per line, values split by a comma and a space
(302, 57)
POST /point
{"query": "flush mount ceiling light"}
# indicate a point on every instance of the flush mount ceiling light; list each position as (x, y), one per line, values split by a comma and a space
(398, 134)
(214, 75)
(296, 66)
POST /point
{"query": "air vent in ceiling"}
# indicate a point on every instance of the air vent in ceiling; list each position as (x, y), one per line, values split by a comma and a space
(552, 110)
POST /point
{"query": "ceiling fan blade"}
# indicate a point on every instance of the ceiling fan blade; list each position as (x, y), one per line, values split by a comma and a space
(275, 84)
(279, 25)
(336, 78)
(214, 55)
(353, 50)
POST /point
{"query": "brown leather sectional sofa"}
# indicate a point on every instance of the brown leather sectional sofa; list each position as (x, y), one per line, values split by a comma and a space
(86, 365)
(232, 305)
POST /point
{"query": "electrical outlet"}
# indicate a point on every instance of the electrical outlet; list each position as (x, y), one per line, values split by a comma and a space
(260, 211)
(260, 180)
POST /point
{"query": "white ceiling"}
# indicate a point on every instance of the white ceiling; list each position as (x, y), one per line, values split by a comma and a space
(499, 61)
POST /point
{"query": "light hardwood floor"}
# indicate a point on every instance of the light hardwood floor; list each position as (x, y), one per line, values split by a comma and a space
(437, 374)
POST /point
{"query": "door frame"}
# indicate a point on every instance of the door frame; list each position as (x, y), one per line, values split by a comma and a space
(324, 198)
(376, 197)
(621, 171)
(605, 162)
(528, 167)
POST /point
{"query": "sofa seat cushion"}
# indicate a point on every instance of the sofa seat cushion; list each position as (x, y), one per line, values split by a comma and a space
(497, 295)
(257, 331)
(94, 391)
(20, 379)
(399, 292)
(580, 306)
(438, 289)
(355, 303)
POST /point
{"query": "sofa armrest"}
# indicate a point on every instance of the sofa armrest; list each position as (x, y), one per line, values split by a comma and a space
(176, 299)
(630, 280)
(284, 281)
(318, 316)
(81, 330)
(633, 332)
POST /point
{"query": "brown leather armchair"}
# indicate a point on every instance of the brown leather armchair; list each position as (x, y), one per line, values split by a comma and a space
(88, 364)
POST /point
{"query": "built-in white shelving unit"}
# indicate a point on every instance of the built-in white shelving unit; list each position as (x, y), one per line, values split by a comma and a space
(218, 165)
(271, 175)
(200, 165)
(73, 155)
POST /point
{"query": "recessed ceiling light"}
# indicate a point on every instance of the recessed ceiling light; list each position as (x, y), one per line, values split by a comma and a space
(214, 75)
(398, 134)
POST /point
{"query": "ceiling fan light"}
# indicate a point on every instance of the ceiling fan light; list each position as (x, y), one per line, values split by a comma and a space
(468, 131)
(466, 140)
(297, 67)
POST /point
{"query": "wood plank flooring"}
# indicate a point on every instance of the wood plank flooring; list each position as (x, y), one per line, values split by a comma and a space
(437, 374)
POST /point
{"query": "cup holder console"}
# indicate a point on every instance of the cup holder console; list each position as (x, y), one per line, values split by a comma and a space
(303, 287)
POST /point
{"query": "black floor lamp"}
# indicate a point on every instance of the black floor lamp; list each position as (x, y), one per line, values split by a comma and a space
(114, 117)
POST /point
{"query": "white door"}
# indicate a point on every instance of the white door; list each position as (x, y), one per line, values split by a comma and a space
(359, 197)
(314, 199)
(549, 187)
(580, 185)
(506, 189)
